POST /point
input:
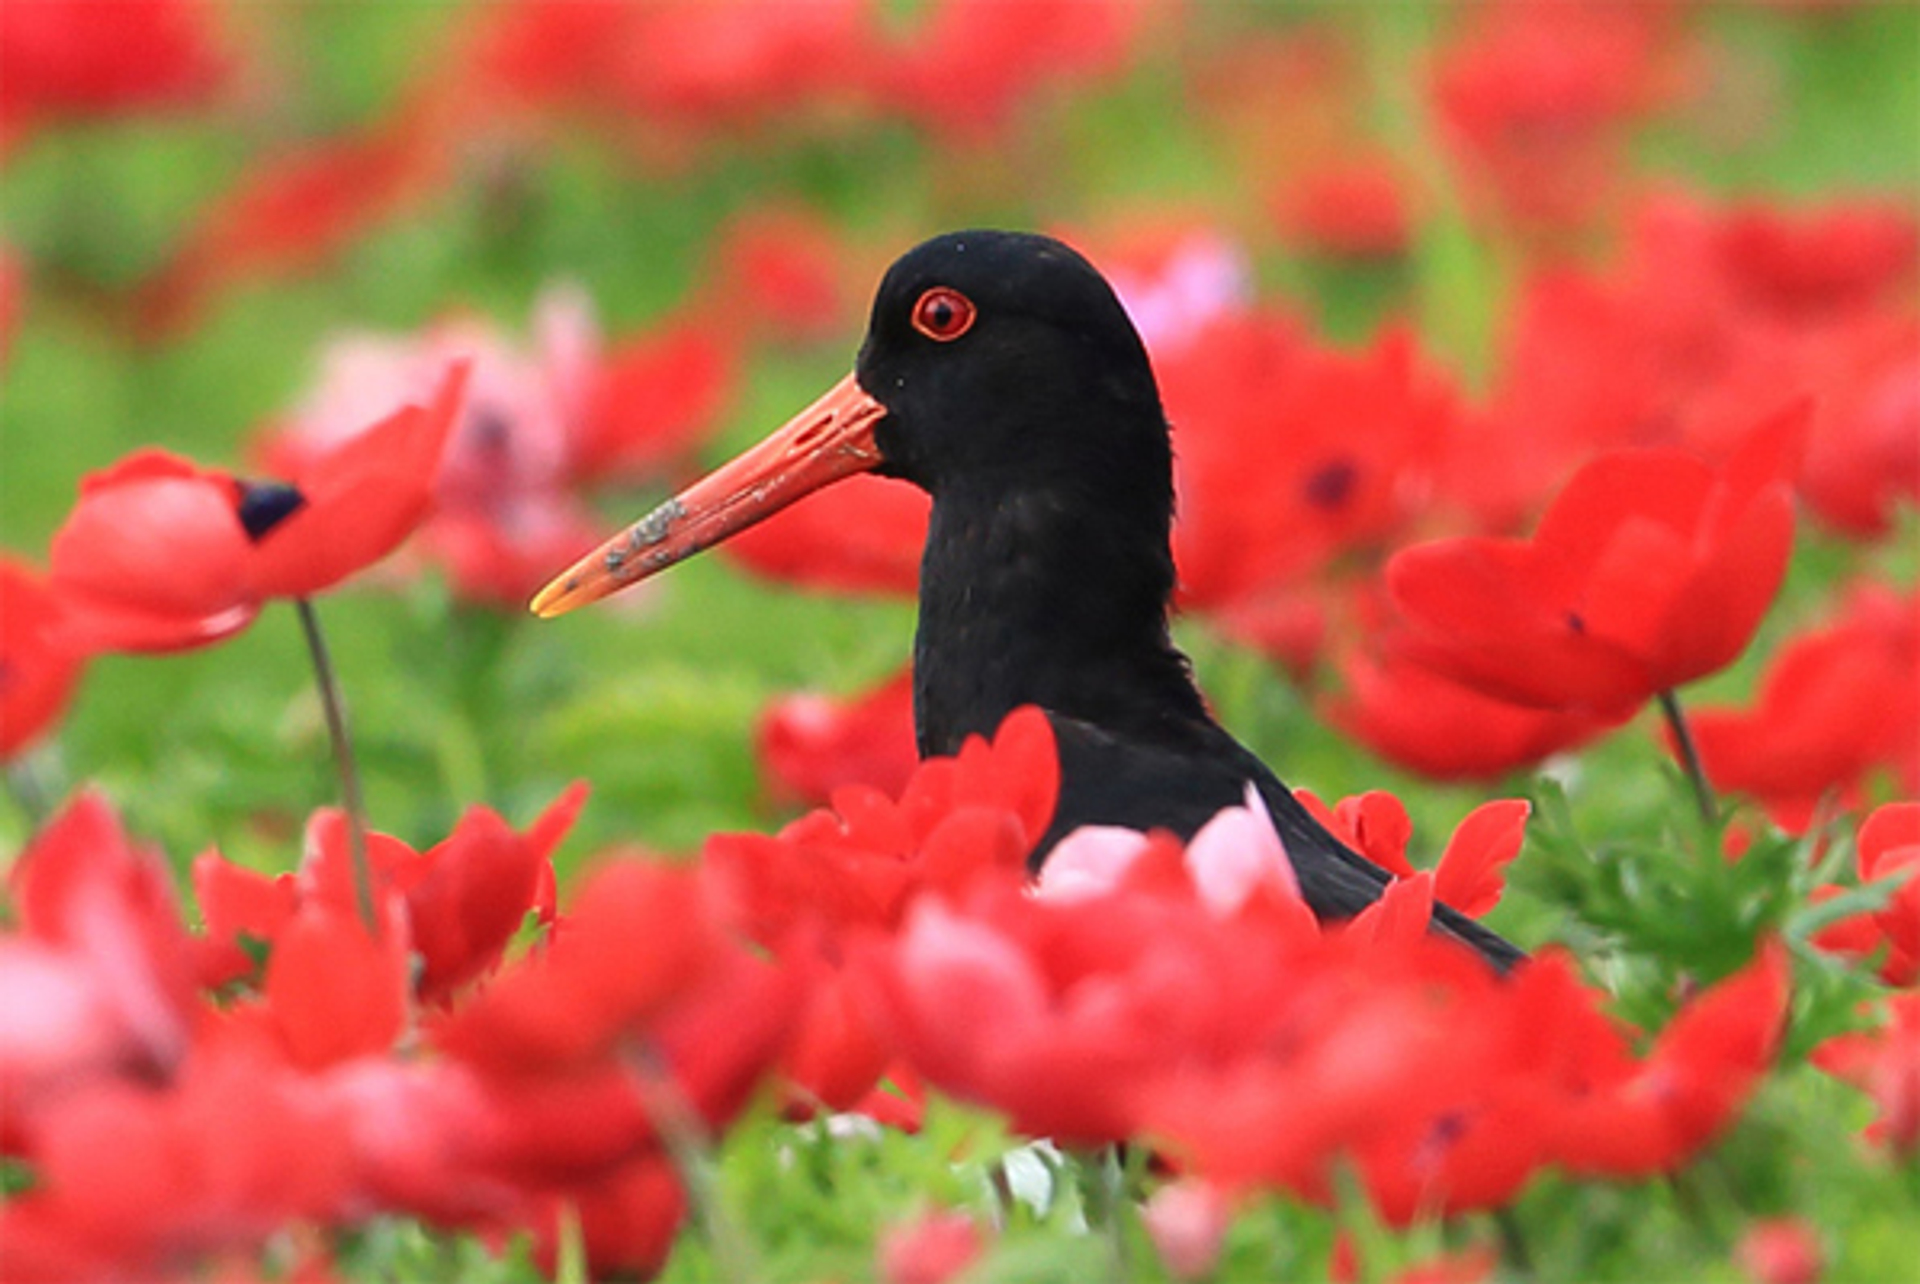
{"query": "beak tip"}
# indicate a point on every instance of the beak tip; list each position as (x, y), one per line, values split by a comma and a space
(550, 601)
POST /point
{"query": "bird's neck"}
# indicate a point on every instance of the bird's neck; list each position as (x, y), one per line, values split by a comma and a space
(1037, 596)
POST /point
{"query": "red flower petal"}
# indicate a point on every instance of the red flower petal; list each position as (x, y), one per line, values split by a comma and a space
(1472, 871)
(362, 499)
(152, 557)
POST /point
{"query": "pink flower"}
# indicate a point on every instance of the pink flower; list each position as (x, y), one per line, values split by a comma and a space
(1781, 1250)
(931, 1249)
(1187, 1221)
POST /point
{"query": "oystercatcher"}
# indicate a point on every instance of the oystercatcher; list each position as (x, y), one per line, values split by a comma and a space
(1001, 375)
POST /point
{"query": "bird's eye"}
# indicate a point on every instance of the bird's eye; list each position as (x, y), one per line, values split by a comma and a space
(943, 313)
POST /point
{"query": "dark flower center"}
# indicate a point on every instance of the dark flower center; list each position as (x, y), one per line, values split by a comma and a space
(1330, 485)
(264, 505)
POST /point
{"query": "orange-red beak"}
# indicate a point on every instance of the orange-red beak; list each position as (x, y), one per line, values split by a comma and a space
(831, 439)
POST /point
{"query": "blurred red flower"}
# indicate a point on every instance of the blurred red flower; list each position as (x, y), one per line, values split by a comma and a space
(1534, 98)
(1448, 1087)
(958, 820)
(861, 535)
(674, 67)
(243, 911)
(37, 668)
(1816, 261)
(809, 745)
(464, 898)
(1835, 704)
(1677, 343)
(1050, 1011)
(98, 977)
(160, 554)
(1884, 1063)
(294, 211)
(643, 1003)
(75, 58)
(1005, 53)
(653, 400)
(1291, 455)
(930, 1249)
(1781, 1250)
(1863, 454)
(1425, 723)
(627, 1221)
(807, 891)
(1695, 1077)
(571, 1003)
(783, 274)
(1350, 209)
(135, 1182)
(1888, 844)
(537, 426)
(458, 904)
(333, 989)
(1649, 570)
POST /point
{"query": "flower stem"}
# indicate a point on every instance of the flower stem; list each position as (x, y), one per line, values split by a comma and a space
(1689, 754)
(683, 1135)
(28, 793)
(350, 799)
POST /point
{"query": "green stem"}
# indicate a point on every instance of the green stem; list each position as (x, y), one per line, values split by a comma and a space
(684, 1137)
(1513, 1241)
(1689, 755)
(336, 712)
(27, 791)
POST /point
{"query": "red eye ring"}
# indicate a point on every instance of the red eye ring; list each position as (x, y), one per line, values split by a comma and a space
(943, 313)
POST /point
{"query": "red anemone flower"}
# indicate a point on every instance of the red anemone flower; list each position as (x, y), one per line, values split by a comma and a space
(160, 554)
(334, 989)
(933, 1248)
(783, 274)
(1885, 1064)
(1351, 209)
(293, 212)
(1814, 261)
(1781, 1250)
(1534, 100)
(1652, 568)
(37, 669)
(1888, 844)
(1471, 873)
(84, 58)
(958, 820)
(810, 745)
(461, 901)
(957, 823)
(1004, 52)
(132, 1182)
(1291, 454)
(1835, 704)
(98, 975)
(862, 535)
(1425, 723)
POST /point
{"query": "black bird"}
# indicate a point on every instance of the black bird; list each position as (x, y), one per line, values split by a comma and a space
(1001, 375)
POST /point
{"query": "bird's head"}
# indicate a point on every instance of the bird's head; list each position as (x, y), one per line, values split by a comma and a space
(992, 360)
